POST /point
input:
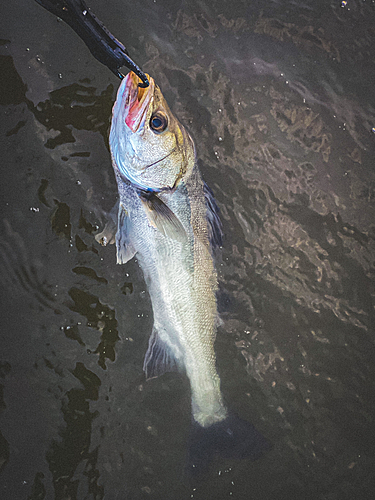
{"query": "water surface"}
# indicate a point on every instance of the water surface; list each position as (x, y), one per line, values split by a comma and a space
(279, 97)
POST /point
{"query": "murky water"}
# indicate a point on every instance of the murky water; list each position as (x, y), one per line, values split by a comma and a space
(279, 97)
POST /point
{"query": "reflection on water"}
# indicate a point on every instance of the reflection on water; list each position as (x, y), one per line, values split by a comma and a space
(279, 98)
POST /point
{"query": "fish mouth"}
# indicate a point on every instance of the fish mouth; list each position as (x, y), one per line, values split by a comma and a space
(137, 100)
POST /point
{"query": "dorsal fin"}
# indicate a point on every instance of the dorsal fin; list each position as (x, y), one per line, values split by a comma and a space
(161, 217)
(215, 228)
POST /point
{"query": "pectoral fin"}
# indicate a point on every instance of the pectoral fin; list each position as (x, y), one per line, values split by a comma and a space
(125, 248)
(162, 218)
(159, 358)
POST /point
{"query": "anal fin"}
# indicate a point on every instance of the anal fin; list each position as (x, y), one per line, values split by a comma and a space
(159, 358)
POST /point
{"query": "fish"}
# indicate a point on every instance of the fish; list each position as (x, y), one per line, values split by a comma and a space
(168, 218)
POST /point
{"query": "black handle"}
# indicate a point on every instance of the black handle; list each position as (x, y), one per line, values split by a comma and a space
(101, 43)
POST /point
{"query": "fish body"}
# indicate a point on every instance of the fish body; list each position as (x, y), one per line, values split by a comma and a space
(167, 218)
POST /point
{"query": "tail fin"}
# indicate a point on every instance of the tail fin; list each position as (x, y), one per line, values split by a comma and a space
(231, 438)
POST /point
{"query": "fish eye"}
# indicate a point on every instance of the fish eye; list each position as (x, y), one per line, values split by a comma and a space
(158, 122)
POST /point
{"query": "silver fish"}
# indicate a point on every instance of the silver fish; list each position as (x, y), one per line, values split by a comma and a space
(168, 218)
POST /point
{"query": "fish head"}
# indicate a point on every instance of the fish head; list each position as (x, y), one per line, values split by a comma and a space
(149, 146)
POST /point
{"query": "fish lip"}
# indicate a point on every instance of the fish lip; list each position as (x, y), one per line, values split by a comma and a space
(136, 101)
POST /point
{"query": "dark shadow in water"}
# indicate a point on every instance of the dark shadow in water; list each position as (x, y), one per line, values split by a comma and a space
(64, 456)
(76, 105)
(5, 368)
(12, 88)
(100, 317)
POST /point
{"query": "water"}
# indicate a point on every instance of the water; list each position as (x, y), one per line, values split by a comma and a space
(279, 97)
